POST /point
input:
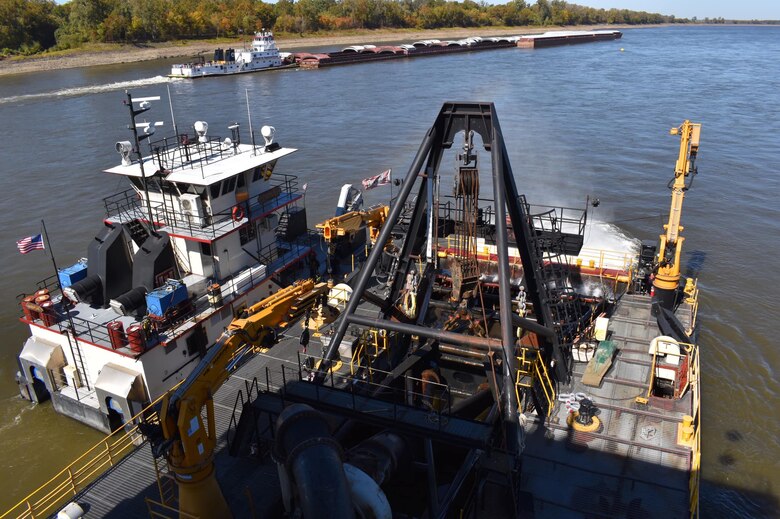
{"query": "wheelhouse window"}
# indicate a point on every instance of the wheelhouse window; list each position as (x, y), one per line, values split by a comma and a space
(215, 190)
(228, 185)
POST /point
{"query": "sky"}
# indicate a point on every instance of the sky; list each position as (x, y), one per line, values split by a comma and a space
(729, 9)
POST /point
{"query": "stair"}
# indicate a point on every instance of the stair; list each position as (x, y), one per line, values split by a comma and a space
(138, 231)
(282, 229)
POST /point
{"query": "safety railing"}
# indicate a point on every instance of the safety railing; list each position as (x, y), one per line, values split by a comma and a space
(695, 477)
(380, 344)
(124, 206)
(606, 263)
(52, 495)
(531, 370)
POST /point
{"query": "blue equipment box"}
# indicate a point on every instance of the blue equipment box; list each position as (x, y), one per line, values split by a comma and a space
(160, 300)
(72, 274)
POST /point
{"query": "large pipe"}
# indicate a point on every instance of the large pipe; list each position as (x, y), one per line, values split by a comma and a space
(313, 457)
(422, 331)
(504, 293)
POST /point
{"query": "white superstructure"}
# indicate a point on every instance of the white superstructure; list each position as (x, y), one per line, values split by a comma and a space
(262, 55)
(205, 229)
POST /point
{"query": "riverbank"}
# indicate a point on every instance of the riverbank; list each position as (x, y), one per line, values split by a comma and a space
(109, 54)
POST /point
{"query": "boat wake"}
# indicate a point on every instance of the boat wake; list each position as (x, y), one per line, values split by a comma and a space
(88, 89)
(609, 237)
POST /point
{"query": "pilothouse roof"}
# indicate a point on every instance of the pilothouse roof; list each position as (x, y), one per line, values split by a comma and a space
(202, 165)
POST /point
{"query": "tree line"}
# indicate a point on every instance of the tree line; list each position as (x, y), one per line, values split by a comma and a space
(30, 26)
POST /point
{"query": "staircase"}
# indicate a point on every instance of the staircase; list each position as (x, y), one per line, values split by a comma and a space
(282, 228)
(548, 246)
(138, 231)
(533, 379)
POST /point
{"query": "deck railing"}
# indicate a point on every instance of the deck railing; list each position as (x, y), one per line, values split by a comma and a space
(125, 206)
(66, 484)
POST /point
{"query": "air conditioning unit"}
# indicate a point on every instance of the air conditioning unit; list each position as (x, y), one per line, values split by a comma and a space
(192, 207)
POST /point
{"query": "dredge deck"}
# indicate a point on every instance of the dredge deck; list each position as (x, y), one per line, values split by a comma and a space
(444, 388)
(632, 467)
(627, 469)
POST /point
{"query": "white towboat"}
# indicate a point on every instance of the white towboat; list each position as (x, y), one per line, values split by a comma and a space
(205, 228)
(263, 55)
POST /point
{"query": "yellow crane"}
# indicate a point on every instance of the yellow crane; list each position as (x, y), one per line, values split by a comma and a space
(667, 276)
(350, 223)
(190, 442)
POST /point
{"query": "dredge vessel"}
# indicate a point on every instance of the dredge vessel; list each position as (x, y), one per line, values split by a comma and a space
(481, 363)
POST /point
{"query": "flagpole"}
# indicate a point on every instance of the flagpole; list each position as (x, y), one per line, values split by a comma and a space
(51, 255)
(67, 310)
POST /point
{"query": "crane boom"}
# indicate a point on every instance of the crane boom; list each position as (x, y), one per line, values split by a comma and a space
(190, 442)
(351, 222)
(667, 276)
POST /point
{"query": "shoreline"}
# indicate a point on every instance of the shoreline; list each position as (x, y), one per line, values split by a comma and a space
(130, 53)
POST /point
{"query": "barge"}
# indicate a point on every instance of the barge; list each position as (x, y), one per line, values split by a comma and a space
(553, 38)
(366, 53)
(433, 387)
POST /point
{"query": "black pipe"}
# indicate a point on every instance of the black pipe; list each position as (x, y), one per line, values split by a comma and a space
(313, 457)
(474, 405)
(380, 456)
(422, 331)
(504, 290)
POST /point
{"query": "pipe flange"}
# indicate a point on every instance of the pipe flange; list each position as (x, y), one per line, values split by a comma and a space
(312, 442)
(295, 413)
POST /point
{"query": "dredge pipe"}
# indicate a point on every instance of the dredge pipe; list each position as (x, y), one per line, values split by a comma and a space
(422, 331)
(474, 405)
(313, 457)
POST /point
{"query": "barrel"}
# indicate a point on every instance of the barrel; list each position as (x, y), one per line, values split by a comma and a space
(116, 334)
(48, 315)
(30, 312)
(136, 338)
(214, 295)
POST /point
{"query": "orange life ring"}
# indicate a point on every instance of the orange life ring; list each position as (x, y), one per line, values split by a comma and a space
(238, 213)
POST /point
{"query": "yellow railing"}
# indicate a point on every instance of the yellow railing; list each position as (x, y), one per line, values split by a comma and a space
(357, 356)
(529, 370)
(52, 495)
(695, 478)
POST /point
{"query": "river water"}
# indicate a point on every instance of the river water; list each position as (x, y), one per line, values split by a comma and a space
(579, 120)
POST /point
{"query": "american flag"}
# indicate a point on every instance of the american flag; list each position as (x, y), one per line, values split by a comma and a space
(381, 179)
(30, 244)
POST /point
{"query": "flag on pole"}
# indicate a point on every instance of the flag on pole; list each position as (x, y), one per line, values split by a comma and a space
(381, 179)
(303, 187)
(30, 244)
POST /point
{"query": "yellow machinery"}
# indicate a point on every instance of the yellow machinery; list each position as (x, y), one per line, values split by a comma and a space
(667, 277)
(190, 442)
(350, 223)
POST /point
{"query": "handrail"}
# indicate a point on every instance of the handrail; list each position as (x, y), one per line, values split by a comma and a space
(46, 499)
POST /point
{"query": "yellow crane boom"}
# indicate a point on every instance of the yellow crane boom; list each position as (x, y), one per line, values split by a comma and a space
(349, 223)
(667, 276)
(190, 441)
